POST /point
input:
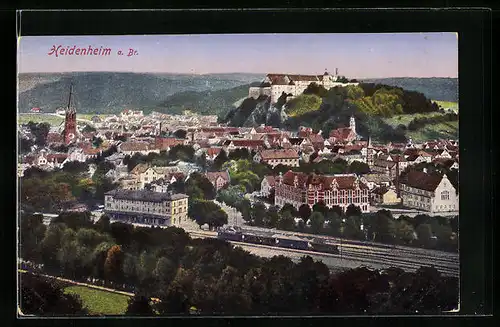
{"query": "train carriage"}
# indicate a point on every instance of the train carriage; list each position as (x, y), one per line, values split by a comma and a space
(291, 242)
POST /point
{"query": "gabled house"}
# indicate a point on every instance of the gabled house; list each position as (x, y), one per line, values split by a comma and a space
(219, 179)
(428, 192)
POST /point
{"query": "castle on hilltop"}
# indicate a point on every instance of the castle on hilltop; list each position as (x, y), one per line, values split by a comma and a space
(274, 85)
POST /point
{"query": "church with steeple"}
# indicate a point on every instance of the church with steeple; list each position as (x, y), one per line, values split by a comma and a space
(345, 134)
(70, 131)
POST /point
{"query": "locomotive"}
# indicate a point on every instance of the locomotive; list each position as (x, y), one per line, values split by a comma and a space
(236, 234)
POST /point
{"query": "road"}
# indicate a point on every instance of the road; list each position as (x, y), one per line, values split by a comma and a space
(352, 253)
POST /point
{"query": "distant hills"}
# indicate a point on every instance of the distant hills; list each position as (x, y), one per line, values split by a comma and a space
(111, 92)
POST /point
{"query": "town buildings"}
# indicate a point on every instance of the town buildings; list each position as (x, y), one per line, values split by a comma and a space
(146, 207)
(428, 192)
(286, 157)
(334, 190)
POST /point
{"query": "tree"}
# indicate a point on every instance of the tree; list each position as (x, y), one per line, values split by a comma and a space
(352, 210)
(352, 228)
(40, 131)
(197, 180)
(75, 167)
(404, 231)
(165, 271)
(41, 297)
(382, 227)
(175, 299)
(358, 167)
(272, 217)
(241, 153)
(337, 209)
(317, 221)
(245, 207)
(230, 295)
(139, 305)
(424, 234)
(321, 207)
(207, 212)
(220, 160)
(334, 222)
(258, 213)
(32, 234)
(290, 208)
(286, 221)
(113, 264)
(304, 211)
(180, 134)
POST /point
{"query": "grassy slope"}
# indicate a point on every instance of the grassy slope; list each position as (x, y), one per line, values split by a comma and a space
(100, 302)
(447, 130)
(302, 104)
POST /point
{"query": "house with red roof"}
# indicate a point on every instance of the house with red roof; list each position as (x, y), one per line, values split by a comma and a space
(342, 190)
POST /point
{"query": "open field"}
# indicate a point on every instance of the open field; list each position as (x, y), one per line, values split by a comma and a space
(39, 118)
(446, 130)
(100, 302)
(52, 119)
(89, 116)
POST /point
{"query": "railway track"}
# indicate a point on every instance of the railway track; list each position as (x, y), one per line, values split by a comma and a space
(369, 255)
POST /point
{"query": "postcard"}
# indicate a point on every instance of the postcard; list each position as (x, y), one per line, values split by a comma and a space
(238, 175)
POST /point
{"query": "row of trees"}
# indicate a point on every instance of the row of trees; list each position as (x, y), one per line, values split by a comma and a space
(214, 277)
(422, 231)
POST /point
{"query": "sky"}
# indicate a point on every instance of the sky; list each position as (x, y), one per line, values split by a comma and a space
(354, 55)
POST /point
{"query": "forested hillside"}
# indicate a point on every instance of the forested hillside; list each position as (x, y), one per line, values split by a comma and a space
(111, 92)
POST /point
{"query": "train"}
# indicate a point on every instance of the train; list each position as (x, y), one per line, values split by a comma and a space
(236, 234)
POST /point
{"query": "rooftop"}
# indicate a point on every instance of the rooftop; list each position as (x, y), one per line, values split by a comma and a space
(145, 195)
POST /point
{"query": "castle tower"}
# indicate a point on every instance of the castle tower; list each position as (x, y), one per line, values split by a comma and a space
(69, 133)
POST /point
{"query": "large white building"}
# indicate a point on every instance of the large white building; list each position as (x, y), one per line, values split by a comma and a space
(274, 85)
(428, 192)
(146, 207)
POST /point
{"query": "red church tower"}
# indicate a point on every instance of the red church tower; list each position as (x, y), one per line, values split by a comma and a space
(70, 131)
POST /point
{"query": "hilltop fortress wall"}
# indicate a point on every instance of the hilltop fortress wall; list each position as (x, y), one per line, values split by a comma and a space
(274, 85)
